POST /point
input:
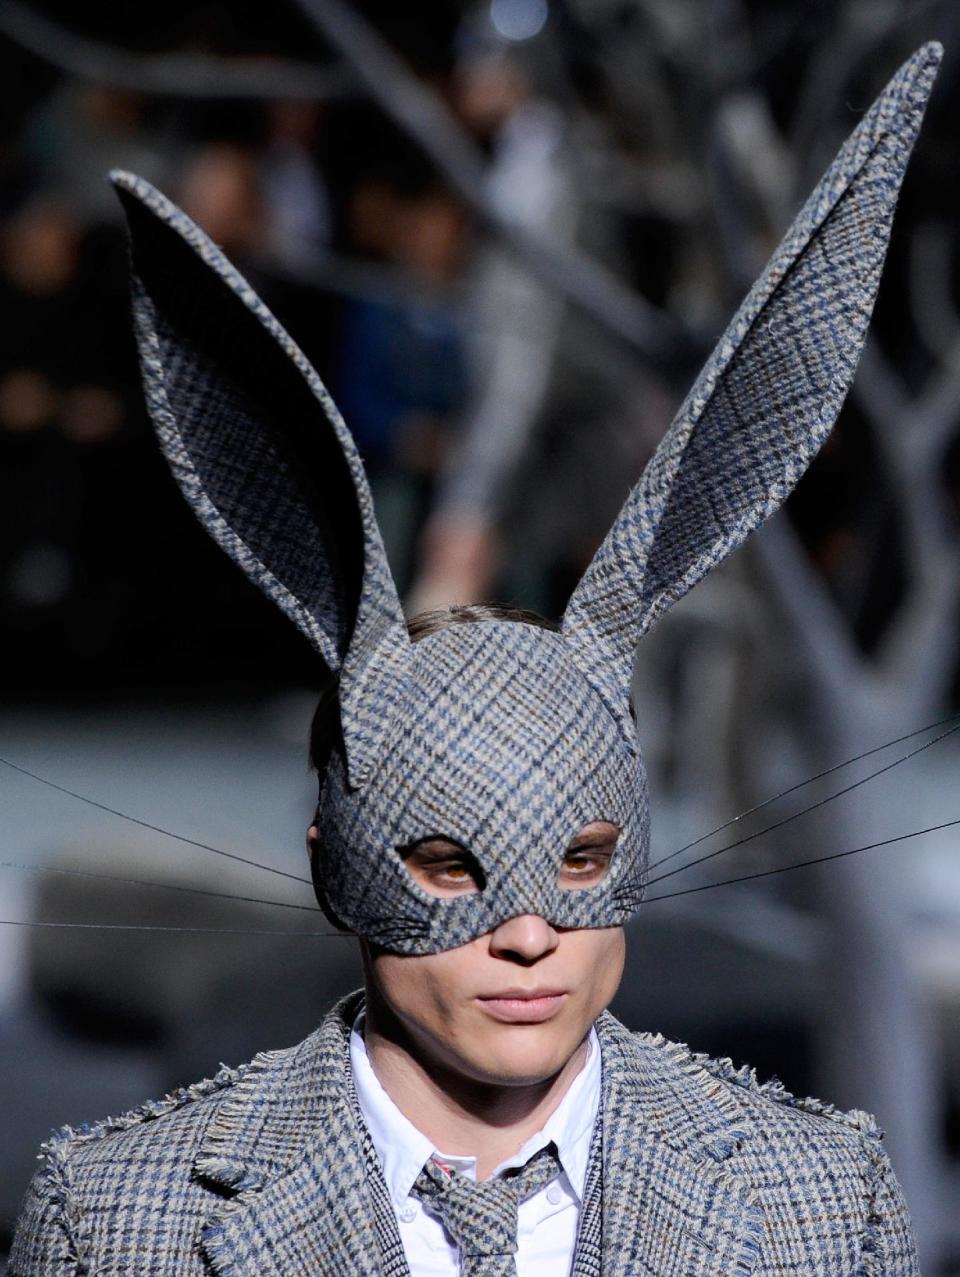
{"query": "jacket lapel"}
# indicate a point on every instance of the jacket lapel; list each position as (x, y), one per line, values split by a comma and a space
(670, 1205)
(287, 1151)
(296, 1177)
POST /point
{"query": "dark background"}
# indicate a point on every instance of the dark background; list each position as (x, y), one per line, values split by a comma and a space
(664, 145)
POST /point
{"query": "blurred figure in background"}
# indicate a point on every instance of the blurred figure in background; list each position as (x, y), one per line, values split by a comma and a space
(299, 215)
(401, 377)
(63, 409)
(513, 327)
(548, 438)
(221, 191)
(81, 131)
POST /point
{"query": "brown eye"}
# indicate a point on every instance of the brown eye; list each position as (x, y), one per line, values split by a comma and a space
(579, 864)
(442, 867)
(587, 859)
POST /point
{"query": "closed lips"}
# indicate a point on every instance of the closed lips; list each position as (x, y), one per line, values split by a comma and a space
(521, 995)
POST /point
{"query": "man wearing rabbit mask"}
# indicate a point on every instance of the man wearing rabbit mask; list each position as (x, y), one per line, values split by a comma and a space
(483, 828)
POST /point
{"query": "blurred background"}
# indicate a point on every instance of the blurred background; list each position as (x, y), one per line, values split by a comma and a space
(507, 232)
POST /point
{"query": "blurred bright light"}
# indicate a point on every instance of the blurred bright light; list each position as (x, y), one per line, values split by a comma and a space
(518, 19)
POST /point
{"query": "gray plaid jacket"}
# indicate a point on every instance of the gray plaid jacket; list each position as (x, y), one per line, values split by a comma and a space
(268, 1170)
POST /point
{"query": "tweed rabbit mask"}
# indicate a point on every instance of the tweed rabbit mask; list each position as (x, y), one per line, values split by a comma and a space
(503, 737)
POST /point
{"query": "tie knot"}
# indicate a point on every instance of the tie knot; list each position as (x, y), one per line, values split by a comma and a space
(482, 1217)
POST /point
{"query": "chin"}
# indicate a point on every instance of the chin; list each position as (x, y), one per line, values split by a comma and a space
(523, 1055)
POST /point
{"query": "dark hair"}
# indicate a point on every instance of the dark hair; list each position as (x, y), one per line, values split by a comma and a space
(325, 728)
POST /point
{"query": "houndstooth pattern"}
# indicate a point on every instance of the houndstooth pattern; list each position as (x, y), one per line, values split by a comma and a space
(504, 738)
(393, 1262)
(239, 459)
(766, 399)
(587, 1260)
(528, 757)
(259, 449)
(483, 1217)
(390, 1252)
(267, 1171)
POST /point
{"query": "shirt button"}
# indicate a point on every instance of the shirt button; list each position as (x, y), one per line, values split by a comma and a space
(407, 1213)
(554, 1194)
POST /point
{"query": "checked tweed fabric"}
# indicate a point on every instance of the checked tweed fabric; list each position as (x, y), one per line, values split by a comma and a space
(268, 1171)
(505, 738)
(588, 1257)
(482, 1218)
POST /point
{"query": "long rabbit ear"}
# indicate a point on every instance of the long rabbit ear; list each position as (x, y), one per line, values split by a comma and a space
(764, 402)
(262, 454)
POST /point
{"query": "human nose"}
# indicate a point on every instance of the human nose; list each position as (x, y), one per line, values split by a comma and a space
(526, 938)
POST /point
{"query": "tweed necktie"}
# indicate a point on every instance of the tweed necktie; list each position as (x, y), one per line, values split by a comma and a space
(482, 1217)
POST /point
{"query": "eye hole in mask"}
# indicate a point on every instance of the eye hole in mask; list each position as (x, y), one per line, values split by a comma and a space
(587, 860)
(442, 867)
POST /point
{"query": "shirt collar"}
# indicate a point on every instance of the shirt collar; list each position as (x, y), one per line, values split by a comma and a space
(570, 1125)
(403, 1150)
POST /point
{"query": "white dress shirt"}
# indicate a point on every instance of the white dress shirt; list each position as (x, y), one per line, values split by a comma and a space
(547, 1232)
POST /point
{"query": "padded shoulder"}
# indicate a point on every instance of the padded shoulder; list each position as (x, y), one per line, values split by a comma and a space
(770, 1129)
(51, 1235)
(135, 1192)
(186, 1104)
(773, 1092)
(823, 1169)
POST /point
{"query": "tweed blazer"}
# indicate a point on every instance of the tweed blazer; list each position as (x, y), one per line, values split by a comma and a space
(268, 1171)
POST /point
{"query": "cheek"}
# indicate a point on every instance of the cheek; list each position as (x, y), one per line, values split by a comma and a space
(425, 989)
(606, 952)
